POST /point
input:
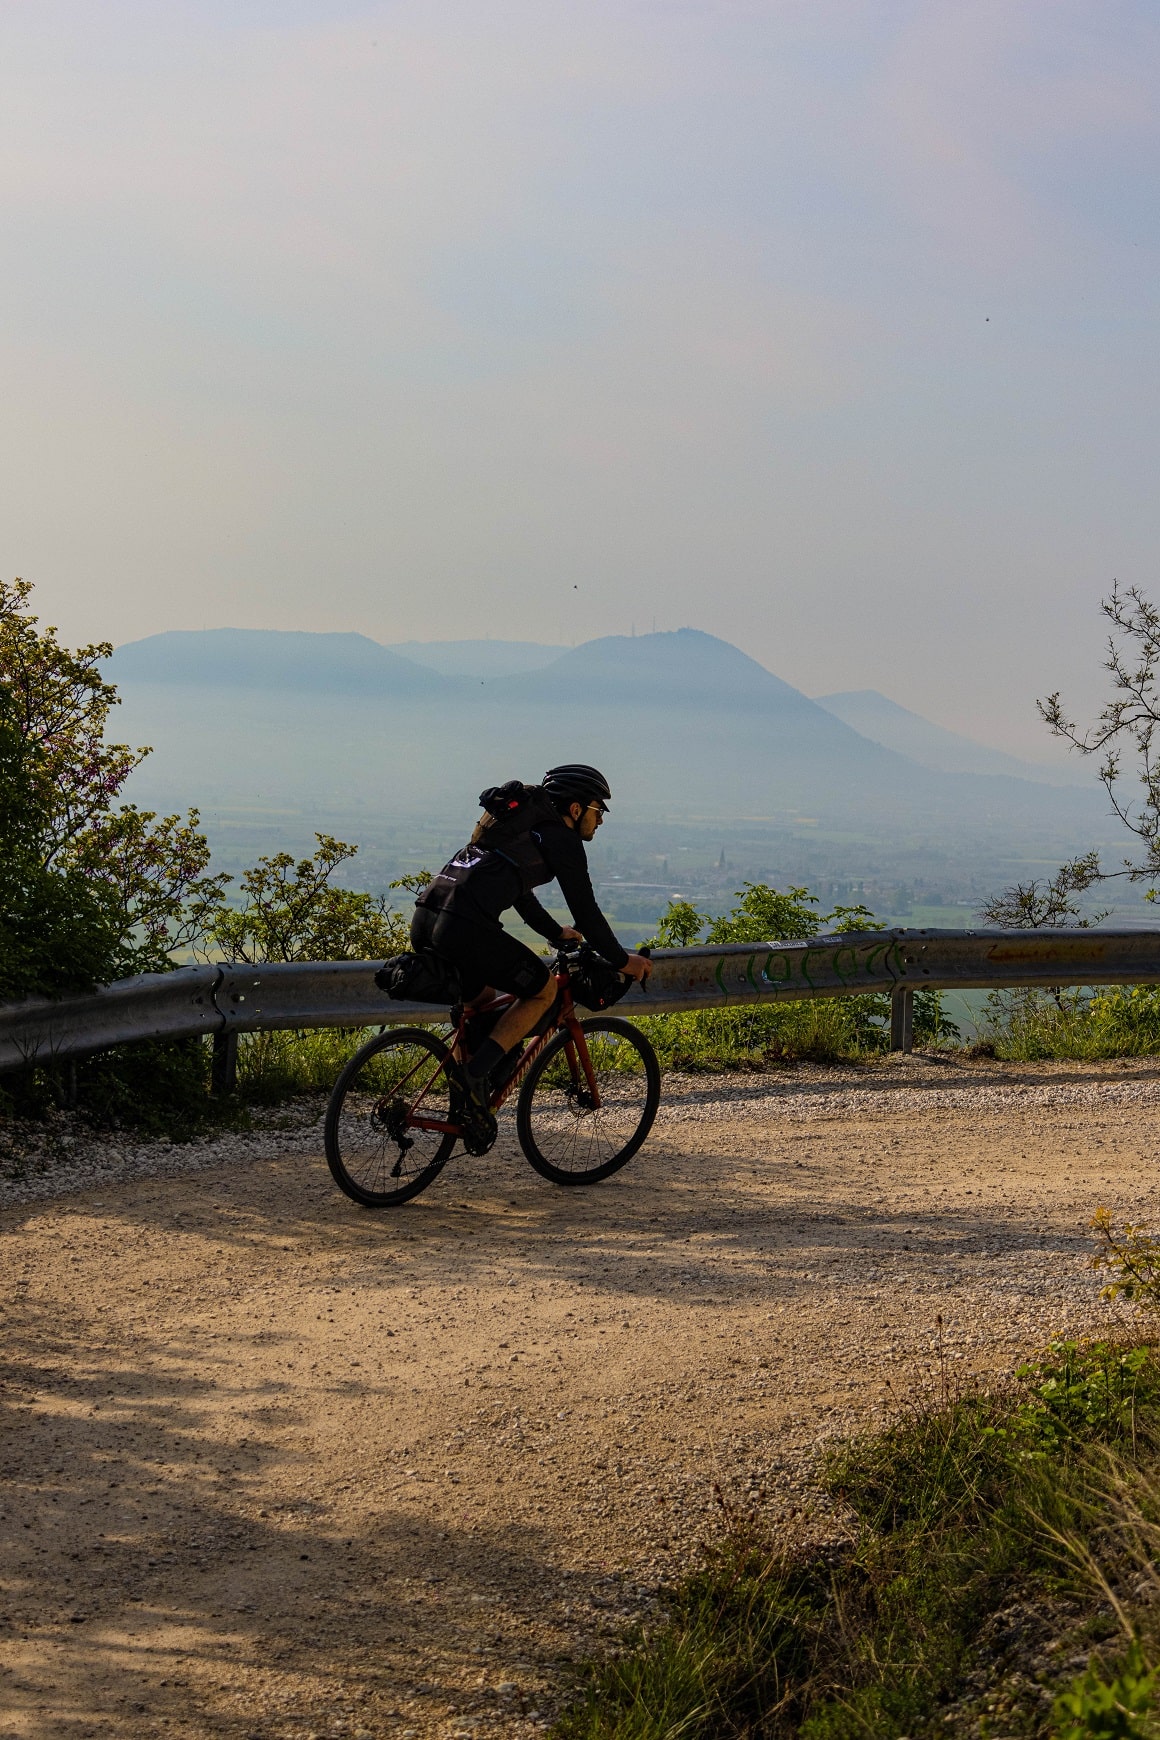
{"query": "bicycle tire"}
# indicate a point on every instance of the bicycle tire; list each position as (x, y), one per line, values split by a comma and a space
(552, 1124)
(359, 1136)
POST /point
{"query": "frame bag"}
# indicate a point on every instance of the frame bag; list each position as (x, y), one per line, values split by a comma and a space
(419, 978)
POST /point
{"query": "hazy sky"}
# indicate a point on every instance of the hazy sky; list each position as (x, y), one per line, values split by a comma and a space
(827, 327)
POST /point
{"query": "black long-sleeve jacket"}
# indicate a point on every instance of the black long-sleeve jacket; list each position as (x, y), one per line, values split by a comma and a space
(483, 881)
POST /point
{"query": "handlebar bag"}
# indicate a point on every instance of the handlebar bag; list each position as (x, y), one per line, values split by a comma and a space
(596, 983)
(424, 977)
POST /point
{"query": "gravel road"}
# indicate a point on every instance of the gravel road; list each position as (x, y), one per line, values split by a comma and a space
(273, 1466)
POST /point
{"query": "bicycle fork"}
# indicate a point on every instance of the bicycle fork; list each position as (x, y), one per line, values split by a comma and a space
(577, 1053)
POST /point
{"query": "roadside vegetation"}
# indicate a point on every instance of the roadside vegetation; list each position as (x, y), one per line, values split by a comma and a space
(987, 1566)
(823, 1030)
(1117, 1021)
(93, 889)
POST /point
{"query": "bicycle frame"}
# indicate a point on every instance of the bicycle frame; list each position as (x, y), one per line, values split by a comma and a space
(575, 1049)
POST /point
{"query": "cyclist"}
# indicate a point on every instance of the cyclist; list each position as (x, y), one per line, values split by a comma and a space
(527, 837)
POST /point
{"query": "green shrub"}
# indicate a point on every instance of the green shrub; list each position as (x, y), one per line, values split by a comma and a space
(1095, 1708)
(291, 911)
(955, 1511)
(824, 1029)
(1083, 1390)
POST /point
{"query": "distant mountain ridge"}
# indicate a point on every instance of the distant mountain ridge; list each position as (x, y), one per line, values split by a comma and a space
(677, 667)
(266, 658)
(882, 720)
(481, 659)
(681, 668)
(683, 723)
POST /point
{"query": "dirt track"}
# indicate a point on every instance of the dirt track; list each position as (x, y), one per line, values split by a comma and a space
(271, 1466)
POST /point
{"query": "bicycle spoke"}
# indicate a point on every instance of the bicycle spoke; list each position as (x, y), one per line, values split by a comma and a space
(375, 1150)
(572, 1136)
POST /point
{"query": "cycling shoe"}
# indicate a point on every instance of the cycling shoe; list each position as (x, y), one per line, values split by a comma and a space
(503, 1072)
(470, 1110)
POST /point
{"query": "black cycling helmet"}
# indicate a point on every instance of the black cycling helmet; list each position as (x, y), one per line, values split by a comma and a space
(576, 783)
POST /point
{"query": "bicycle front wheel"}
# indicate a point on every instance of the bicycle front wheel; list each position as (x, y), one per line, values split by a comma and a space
(375, 1149)
(571, 1136)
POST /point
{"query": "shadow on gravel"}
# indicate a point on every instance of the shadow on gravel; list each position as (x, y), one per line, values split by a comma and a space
(658, 1231)
(143, 1577)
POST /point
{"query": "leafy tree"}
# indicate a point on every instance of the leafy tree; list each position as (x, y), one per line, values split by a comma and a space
(764, 915)
(91, 888)
(679, 928)
(1127, 725)
(414, 881)
(144, 874)
(1048, 904)
(151, 871)
(291, 912)
(761, 915)
(59, 705)
(56, 933)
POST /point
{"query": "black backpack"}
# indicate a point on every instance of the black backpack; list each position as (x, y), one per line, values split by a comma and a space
(505, 802)
(510, 814)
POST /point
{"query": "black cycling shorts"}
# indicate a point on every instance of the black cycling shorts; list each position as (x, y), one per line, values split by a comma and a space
(482, 956)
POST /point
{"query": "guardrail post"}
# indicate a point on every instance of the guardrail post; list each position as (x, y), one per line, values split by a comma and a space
(901, 1019)
(223, 1075)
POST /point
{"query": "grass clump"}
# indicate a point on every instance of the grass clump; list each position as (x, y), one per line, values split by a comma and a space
(275, 1067)
(985, 1539)
(1114, 1021)
(820, 1030)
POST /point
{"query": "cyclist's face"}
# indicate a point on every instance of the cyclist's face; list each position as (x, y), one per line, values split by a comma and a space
(590, 820)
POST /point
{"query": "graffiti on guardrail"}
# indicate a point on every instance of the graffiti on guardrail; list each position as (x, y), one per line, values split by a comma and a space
(854, 966)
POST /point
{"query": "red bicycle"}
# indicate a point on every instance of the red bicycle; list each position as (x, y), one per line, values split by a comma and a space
(588, 1093)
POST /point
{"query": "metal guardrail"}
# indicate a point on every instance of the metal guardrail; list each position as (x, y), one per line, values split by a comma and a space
(224, 1001)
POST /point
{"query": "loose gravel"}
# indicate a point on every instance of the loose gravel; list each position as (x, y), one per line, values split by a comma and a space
(62, 1155)
(275, 1466)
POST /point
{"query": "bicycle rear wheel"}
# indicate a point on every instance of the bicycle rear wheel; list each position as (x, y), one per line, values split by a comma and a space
(374, 1151)
(567, 1138)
